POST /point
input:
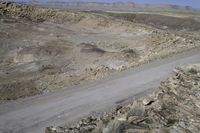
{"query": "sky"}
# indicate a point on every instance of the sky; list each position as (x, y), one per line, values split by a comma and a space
(193, 3)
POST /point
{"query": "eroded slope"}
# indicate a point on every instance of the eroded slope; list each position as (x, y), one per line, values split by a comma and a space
(43, 49)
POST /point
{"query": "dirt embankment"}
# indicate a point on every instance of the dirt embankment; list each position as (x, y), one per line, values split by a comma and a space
(160, 21)
(173, 108)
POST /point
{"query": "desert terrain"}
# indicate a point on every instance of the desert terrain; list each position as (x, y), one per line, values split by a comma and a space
(44, 50)
(58, 66)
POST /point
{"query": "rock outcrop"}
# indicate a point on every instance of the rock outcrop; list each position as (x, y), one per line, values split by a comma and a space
(37, 14)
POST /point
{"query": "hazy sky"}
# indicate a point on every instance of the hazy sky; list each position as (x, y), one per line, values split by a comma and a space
(193, 3)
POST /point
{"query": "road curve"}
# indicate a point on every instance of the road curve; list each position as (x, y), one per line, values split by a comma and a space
(32, 115)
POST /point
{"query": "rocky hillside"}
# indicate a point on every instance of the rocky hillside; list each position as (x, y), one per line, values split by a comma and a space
(174, 107)
(37, 14)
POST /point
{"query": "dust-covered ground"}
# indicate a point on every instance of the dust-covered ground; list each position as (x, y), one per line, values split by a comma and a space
(44, 50)
(173, 108)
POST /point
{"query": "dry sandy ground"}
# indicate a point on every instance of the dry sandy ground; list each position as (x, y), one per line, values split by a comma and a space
(43, 50)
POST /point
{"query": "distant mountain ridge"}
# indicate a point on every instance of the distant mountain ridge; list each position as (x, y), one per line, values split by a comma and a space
(121, 6)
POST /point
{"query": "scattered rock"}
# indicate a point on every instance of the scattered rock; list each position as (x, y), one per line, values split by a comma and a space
(147, 101)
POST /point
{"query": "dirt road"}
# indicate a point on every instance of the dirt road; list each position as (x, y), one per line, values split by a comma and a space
(34, 114)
